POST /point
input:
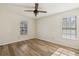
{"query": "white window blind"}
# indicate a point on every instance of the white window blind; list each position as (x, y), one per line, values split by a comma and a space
(69, 27)
(23, 28)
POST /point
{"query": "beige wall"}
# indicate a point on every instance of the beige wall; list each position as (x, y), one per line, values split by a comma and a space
(9, 26)
(50, 29)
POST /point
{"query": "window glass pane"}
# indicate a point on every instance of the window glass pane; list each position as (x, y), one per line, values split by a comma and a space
(23, 28)
(69, 27)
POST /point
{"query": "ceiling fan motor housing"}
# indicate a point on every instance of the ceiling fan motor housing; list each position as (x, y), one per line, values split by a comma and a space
(35, 12)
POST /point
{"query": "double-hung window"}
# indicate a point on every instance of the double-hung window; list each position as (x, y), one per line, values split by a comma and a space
(69, 27)
(23, 28)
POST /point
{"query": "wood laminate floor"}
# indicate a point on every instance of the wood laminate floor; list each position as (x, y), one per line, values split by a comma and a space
(32, 47)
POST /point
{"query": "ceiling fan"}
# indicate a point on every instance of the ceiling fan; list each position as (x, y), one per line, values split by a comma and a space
(35, 11)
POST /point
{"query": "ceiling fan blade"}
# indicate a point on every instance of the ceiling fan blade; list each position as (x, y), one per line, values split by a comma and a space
(36, 6)
(29, 10)
(42, 11)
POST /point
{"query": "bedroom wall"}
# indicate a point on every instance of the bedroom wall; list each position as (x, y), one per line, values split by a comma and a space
(50, 29)
(10, 23)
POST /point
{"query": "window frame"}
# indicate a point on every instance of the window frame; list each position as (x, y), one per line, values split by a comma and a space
(73, 29)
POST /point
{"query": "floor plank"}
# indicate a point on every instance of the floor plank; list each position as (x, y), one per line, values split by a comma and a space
(32, 47)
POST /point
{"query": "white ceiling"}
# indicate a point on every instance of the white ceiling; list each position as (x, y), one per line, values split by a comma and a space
(51, 8)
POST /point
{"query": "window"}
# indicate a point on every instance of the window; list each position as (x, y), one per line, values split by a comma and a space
(23, 28)
(69, 27)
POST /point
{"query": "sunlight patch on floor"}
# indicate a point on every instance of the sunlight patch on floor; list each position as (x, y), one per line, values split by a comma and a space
(63, 52)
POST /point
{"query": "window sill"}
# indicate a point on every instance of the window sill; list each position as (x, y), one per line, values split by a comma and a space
(70, 37)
